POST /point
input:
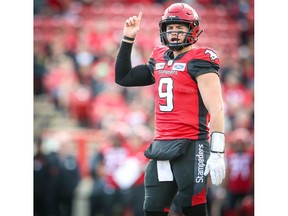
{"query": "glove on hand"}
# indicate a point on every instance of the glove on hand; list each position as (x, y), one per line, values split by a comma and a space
(216, 166)
(215, 163)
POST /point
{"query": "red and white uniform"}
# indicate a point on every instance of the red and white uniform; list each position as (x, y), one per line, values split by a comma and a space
(179, 109)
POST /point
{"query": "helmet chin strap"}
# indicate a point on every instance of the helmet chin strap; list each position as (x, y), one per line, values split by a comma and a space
(200, 33)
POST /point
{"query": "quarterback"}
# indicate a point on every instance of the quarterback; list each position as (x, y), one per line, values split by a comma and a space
(189, 137)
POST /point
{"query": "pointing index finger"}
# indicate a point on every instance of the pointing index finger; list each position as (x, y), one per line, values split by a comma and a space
(140, 16)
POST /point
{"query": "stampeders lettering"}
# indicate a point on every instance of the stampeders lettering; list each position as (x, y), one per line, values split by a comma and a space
(200, 164)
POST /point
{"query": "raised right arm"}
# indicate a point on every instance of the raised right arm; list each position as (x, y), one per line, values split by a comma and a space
(125, 75)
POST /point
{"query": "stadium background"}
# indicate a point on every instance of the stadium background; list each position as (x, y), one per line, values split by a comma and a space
(78, 106)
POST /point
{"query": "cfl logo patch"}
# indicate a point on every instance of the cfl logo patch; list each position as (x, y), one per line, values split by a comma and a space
(212, 54)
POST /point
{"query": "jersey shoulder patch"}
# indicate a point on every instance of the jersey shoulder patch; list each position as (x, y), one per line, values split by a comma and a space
(207, 54)
(213, 55)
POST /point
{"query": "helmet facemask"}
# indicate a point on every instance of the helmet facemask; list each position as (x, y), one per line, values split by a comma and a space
(176, 46)
(180, 13)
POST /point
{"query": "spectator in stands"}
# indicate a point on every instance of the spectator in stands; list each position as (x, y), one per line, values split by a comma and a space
(60, 82)
(79, 105)
(239, 182)
(69, 177)
(97, 172)
(39, 68)
(132, 169)
(64, 176)
(52, 185)
(58, 6)
(41, 179)
(105, 186)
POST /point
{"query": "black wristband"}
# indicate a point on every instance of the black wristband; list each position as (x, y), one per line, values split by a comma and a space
(217, 152)
(128, 38)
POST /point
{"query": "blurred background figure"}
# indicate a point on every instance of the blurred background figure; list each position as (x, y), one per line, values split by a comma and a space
(41, 179)
(106, 197)
(99, 188)
(130, 174)
(239, 183)
(56, 176)
(69, 177)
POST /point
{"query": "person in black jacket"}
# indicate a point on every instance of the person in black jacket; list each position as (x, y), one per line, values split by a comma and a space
(41, 178)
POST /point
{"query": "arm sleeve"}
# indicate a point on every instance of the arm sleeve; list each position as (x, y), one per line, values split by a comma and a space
(125, 75)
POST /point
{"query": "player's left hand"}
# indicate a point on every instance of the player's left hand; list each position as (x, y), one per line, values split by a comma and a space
(216, 166)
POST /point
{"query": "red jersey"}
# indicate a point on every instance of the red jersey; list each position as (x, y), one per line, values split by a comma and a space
(240, 171)
(179, 109)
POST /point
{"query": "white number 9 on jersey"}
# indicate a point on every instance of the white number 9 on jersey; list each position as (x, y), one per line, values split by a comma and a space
(165, 92)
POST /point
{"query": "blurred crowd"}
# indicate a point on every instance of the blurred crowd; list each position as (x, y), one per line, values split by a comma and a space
(75, 44)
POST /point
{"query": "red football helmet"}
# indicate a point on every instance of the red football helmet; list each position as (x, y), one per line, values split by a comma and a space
(180, 13)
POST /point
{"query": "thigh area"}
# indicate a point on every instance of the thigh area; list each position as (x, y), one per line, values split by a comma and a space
(189, 174)
(158, 195)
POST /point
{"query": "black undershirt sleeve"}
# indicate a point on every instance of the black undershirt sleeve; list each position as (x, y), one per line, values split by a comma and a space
(125, 74)
(197, 67)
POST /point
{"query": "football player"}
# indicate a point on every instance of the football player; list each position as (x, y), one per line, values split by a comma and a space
(189, 137)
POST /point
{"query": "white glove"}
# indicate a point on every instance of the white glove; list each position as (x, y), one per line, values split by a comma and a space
(216, 166)
(216, 163)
